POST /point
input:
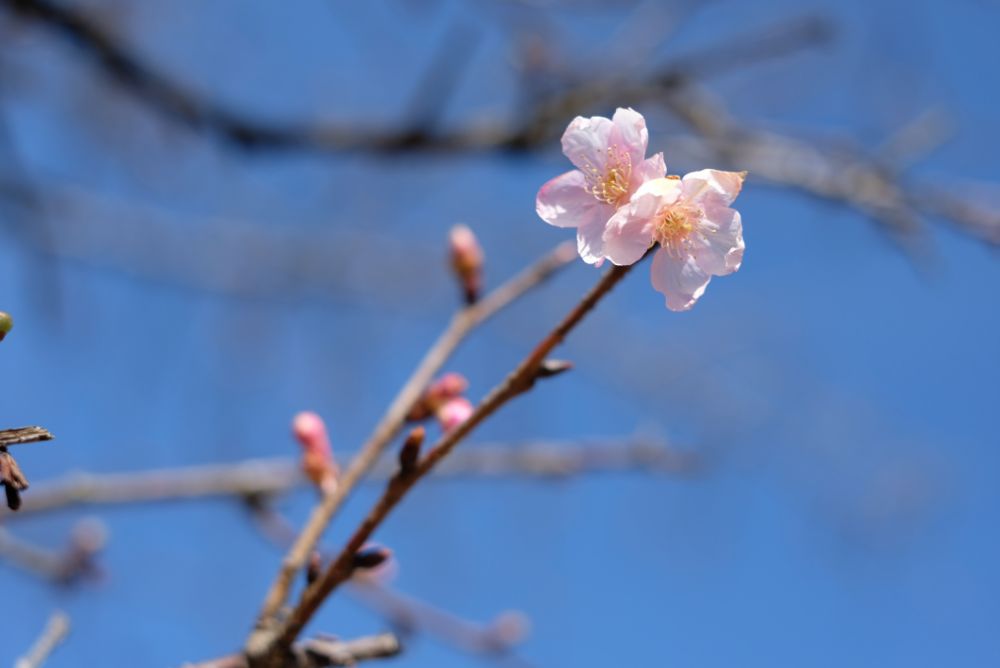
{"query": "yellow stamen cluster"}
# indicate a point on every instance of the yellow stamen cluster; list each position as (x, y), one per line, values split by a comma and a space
(674, 227)
(612, 185)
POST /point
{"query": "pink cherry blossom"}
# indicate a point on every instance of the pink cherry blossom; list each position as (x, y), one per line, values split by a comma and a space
(699, 235)
(611, 164)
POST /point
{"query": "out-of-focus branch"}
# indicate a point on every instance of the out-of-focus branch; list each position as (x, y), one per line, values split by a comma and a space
(269, 642)
(408, 614)
(55, 632)
(466, 320)
(268, 477)
(318, 652)
(64, 567)
(182, 104)
(848, 175)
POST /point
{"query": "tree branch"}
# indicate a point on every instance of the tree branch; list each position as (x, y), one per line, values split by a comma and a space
(21, 435)
(323, 652)
(269, 643)
(395, 416)
(55, 632)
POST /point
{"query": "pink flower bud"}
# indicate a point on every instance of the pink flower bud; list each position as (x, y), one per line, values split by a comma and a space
(446, 387)
(317, 456)
(454, 412)
(467, 261)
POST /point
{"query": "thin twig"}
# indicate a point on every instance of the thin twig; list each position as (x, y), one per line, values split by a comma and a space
(407, 614)
(54, 633)
(267, 645)
(66, 566)
(21, 435)
(461, 324)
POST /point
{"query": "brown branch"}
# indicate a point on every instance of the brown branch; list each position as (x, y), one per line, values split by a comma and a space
(318, 652)
(461, 324)
(269, 643)
(53, 634)
(406, 614)
(21, 435)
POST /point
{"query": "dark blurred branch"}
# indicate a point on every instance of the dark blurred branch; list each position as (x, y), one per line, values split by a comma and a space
(53, 634)
(182, 104)
(848, 175)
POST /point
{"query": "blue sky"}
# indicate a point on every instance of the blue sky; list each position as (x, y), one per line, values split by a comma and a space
(845, 399)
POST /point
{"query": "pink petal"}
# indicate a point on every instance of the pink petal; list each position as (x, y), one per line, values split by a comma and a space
(719, 249)
(649, 169)
(565, 202)
(586, 142)
(590, 240)
(713, 184)
(629, 233)
(680, 279)
(630, 133)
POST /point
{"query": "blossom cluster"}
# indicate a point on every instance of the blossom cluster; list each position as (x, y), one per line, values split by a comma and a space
(623, 203)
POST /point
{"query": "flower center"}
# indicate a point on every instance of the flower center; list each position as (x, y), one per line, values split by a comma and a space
(674, 225)
(611, 186)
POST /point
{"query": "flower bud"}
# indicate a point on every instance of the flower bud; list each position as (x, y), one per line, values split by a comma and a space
(409, 454)
(317, 457)
(454, 412)
(446, 387)
(370, 557)
(6, 324)
(466, 261)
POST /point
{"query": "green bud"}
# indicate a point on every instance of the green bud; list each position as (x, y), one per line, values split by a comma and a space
(6, 324)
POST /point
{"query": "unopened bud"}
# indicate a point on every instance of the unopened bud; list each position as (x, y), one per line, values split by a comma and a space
(454, 412)
(371, 557)
(317, 456)
(445, 388)
(409, 454)
(467, 261)
(314, 567)
(551, 367)
(6, 324)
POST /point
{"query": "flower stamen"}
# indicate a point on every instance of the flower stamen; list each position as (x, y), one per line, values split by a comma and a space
(674, 227)
(611, 186)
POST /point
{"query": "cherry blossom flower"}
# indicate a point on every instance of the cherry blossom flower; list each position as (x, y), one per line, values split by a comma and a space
(699, 235)
(611, 164)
